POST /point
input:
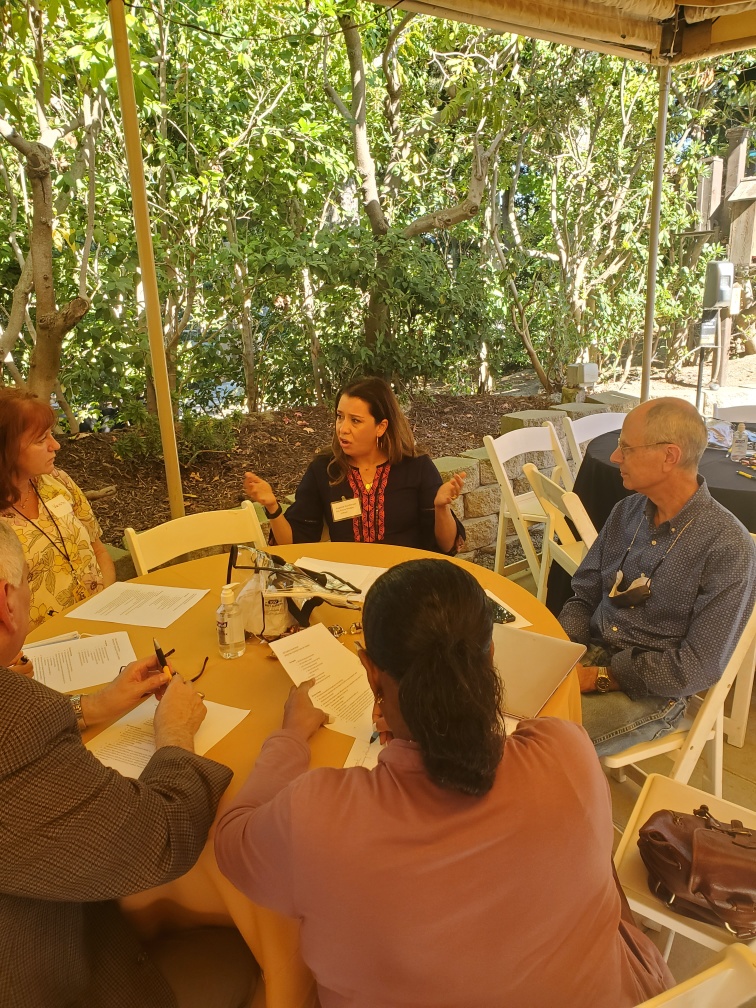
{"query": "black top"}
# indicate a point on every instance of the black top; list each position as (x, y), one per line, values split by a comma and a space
(397, 510)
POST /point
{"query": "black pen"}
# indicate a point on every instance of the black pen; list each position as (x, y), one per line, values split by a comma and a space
(160, 655)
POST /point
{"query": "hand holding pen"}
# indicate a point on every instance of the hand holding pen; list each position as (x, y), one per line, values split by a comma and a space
(162, 658)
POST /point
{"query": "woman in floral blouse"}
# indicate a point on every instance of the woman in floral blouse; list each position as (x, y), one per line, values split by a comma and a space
(50, 515)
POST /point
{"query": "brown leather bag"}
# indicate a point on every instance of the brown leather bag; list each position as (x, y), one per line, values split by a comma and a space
(702, 868)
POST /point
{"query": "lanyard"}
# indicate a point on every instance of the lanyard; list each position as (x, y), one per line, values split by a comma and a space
(62, 548)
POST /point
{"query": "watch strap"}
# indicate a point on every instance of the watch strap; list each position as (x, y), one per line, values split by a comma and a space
(77, 709)
(275, 514)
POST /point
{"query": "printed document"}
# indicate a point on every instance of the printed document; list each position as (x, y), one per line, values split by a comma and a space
(139, 604)
(88, 661)
(341, 687)
(364, 752)
(128, 745)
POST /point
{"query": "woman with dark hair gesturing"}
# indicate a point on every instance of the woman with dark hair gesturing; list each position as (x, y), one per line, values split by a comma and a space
(372, 486)
(465, 869)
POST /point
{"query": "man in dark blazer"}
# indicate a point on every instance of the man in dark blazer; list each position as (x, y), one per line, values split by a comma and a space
(75, 835)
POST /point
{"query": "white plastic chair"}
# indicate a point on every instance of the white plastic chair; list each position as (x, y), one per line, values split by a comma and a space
(659, 792)
(158, 545)
(523, 510)
(569, 550)
(736, 723)
(705, 730)
(587, 428)
(738, 414)
(729, 983)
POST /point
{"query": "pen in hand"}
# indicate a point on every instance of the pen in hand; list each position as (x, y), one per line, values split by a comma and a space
(160, 655)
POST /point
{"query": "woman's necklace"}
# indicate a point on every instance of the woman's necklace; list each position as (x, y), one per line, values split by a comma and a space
(369, 469)
(25, 498)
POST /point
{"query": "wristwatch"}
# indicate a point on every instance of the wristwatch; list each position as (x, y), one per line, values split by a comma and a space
(76, 704)
(271, 515)
(603, 679)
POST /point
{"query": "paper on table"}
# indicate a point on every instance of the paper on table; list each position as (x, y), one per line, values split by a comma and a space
(51, 640)
(364, 753)
(518, 621)
(341, 688)
(355, 574)
(128, 745)
(77, 664)
(139, 604)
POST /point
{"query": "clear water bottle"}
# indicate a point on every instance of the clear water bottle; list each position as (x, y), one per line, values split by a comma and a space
(739, 448)
(229, 623)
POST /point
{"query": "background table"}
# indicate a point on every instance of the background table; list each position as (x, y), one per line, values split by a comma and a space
(599, 485)
(257, 681)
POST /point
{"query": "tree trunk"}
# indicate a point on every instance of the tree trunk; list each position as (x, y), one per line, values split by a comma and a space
(52, 323)
(308, 320)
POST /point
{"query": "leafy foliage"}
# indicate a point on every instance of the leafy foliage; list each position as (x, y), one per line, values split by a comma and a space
(265, 258)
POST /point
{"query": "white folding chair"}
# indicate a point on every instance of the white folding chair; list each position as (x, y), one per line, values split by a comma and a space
(568, 551)
(729, 983)
(158, 545)
(659, 792)
(739, 414)
(523, 510)
(736, 723)
(585, 429)
(705, 730)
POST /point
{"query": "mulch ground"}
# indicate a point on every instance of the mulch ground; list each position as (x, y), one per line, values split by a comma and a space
(277, 446)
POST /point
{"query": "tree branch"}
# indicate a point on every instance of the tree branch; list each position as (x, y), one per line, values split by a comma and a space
(440, 220)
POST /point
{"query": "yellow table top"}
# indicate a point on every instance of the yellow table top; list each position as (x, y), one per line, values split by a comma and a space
(258, 682)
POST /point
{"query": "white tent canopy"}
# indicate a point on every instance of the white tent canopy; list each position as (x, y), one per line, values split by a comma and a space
(652, 31)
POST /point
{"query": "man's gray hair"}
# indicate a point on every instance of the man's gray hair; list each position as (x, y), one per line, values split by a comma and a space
(11, 556)
(678, 422)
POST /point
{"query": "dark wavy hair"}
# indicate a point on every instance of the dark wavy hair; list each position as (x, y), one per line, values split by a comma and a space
(397, 440)
(428, 624)
(20, 413)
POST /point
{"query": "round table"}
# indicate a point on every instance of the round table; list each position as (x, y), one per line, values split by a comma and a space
(599, 485)
(257, 681)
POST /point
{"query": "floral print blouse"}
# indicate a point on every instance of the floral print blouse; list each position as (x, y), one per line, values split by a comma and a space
(63, 568)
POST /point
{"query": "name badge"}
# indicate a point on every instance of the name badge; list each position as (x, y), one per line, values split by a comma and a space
(344, 509)
(59, 506)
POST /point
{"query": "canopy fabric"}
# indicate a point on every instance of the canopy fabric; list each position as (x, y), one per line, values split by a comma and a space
(653, 31)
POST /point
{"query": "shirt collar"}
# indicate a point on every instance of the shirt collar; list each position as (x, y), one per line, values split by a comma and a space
(694, 507)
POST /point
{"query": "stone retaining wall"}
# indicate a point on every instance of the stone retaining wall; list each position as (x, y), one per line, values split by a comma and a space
(479, 503)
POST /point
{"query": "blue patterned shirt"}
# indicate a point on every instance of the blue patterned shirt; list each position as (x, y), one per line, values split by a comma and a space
(679, 641)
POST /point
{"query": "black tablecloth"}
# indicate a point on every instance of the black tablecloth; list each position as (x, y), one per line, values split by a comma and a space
(599, 486)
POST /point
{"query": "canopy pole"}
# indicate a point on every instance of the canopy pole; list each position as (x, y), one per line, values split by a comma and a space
(665, 74)
(146, 254)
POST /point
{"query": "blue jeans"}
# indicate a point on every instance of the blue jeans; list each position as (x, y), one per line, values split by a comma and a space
(615, 722)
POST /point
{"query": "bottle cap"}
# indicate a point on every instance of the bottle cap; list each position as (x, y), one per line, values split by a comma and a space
(227, 593)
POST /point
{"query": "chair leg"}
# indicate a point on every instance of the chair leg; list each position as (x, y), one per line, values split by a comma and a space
(501, 543)
(668, 944)
(713, 758)
(527, 547)
(543, 580)
(736, 724)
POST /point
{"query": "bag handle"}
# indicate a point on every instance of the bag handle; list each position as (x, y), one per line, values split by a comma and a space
(735, 828)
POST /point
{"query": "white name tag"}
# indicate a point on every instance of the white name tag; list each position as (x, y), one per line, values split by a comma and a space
(344, 509)
(59, 506)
